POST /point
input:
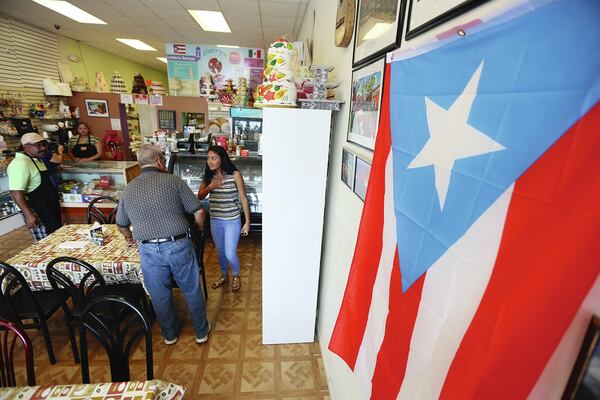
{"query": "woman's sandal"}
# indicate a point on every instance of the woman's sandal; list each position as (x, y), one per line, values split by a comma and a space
(237, 283)
(219, 282)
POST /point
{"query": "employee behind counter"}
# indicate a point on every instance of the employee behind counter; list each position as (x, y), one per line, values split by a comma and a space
(84, 146)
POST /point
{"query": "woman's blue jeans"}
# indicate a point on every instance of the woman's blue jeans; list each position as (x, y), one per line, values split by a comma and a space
(226, 235)
(178, 259)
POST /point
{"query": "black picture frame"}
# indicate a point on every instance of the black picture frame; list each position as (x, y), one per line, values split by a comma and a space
(462, 7)
(365, 52)
(348, 168)
(584, 382)
(359, 132)
(362, 171)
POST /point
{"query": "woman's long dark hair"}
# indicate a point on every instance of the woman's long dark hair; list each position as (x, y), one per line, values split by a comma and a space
(226, 164)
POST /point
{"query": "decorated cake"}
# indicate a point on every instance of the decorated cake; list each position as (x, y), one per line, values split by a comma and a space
(157, 87)
(117, 84)
(278, 88)
(101, 85)
(139, 85)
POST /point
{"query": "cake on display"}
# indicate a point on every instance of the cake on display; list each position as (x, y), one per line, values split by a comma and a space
(157, 87)
(139, 85)
(278, 88)
(117, 84)
(101, 85)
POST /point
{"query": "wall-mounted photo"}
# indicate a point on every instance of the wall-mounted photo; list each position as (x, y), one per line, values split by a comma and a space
(361, 177)
(424, 15)
(584, 382)
(96, 108)
(348, 162)
(378, 28)
(365, 104)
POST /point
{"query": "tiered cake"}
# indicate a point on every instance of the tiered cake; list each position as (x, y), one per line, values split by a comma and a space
(101, 85)
(278, 88)
(241, 93)
(117, 84)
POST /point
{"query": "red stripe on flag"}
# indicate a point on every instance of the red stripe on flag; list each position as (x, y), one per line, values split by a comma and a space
(354, 311)
(547, 263)
(393, 354)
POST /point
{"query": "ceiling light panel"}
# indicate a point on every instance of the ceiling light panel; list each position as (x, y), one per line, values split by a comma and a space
(210, 21)
(69, 10)
(163, 59)
(137, 44)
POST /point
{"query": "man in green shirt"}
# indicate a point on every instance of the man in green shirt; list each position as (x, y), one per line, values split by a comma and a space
(32, 189)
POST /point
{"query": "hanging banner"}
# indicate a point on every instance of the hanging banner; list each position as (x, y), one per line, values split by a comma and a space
(189, 63)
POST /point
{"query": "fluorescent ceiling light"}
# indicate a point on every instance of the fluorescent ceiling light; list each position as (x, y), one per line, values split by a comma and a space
(137, 44)
(377, 30)
(228, 46)
(163, 59)
(69, 10)
(210, 21)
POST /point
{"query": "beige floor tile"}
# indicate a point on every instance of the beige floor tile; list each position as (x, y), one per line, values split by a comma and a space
(255, 348)
(218, 378)
(297, 375)
(258, 377)
(223, 345)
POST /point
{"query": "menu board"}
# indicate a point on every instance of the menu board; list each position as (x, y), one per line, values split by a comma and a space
(166, 119)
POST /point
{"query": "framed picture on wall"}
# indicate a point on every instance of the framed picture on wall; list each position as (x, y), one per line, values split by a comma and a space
(584, 382)
(424, 15)
(348, 163)
(96, 108)
(365, 104)
(379, 26)
(361, 177)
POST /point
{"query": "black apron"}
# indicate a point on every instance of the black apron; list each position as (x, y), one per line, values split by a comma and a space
(84, 150)
(44, 201)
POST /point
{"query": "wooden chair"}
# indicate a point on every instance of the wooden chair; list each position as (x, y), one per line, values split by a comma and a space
(19, 303)
(7, 349)
(96, 214)
(117, 333)
(91, 286)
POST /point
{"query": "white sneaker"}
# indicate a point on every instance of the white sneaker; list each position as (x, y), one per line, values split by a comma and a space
(172, 341)
(205, 338)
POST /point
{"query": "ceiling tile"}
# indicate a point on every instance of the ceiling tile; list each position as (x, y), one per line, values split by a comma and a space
(174, 13)
(123, 2)
(239, 6)
(278, 9)
(161, 3)
(278, 22)
(209, 5)
(236, 20)
(136, 12)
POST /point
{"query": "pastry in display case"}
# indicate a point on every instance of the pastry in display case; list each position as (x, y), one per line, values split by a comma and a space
(190, 168)
(82, 183)
(9, 211)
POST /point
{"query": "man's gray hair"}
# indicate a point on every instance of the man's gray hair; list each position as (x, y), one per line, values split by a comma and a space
(148, 154)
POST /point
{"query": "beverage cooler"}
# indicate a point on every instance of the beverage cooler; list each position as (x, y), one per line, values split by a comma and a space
(190, 168)
(246, 127)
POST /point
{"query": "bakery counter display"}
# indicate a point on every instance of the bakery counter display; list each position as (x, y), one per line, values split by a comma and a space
(82, 183)
(190, 168)
(9, 212)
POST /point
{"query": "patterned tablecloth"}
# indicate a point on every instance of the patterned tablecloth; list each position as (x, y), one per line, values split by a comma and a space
(155, 389)
(117, 260)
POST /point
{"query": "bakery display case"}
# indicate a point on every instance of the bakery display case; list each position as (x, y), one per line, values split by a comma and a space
(82, 183)
(190, 168)
(9, 212)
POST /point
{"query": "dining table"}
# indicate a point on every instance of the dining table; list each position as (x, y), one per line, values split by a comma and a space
(117, 259)
(153, 389)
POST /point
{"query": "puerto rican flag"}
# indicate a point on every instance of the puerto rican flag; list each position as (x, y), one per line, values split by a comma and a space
(476, 264)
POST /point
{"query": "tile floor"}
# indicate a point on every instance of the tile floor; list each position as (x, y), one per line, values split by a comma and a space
(232, 365)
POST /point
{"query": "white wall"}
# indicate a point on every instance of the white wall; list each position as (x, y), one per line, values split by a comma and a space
(343, 208)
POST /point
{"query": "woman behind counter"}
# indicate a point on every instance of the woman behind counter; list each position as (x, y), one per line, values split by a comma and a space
(226, 187)
(85, 147)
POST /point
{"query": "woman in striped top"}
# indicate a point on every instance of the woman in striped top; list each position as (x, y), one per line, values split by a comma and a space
(226, 187)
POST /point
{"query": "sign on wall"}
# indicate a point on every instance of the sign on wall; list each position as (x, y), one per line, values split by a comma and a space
(188, 63)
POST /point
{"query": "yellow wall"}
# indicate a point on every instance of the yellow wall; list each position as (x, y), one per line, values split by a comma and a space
(93, 60)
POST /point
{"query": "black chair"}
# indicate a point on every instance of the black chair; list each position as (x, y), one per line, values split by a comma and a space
(18, 303)
(7, 349)
(96, 214)
(117, 334)
(91, 286)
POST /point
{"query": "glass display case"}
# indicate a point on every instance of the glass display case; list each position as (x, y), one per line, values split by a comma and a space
(9, 212)
(247, 126)
(81, 183)
(190, 168)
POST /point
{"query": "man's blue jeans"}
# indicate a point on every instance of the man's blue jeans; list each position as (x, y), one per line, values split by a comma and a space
(226, 235)
(160, 261)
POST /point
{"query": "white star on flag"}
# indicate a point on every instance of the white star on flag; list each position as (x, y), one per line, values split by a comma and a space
(451, 138)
